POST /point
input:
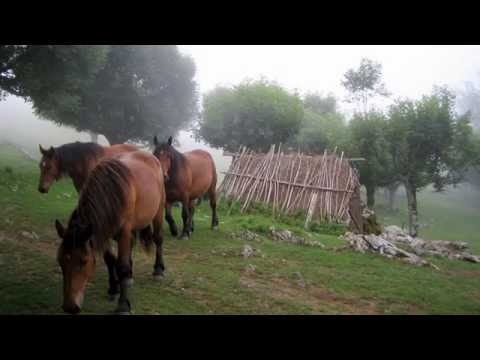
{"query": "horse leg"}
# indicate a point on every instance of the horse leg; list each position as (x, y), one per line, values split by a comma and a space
(186, 219)
(191, 208)
(170, 220)
(110, 261)
(159, 267)
(213, 205)
(124, 270)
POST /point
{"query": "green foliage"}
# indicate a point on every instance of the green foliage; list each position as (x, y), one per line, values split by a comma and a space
(124, 92)
(142, 90)
(365, 82)
(50, 76)
(429, 143)
(368, 140)
(255, 114)
(321, 129)
(328, 228)
(320, 104)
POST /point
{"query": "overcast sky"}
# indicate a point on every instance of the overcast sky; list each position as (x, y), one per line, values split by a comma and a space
(409, 71)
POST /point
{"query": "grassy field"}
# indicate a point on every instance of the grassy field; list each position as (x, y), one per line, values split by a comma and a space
(208, 275)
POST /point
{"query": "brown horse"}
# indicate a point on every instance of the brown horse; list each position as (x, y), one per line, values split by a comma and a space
(188, 177)
(121, 195)
(76, 160)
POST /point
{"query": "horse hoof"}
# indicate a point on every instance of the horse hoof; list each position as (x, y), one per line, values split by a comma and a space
(184, 236)
(123, 313)
(129, 282)
(158, 277)
(112, 297)
(123, 308)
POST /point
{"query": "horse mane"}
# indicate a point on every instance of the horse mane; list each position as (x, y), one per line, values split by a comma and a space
(103, 199)
(71, 155)
(177, 160)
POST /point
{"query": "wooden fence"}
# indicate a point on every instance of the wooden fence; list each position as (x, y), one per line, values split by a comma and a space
(321, 185)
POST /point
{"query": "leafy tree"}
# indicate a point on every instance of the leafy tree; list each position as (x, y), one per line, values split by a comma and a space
(368, 140)
(429, 144)
(141, 90)
(49, 76)
(320, 132)
(321, 104)
(323, 127)
(255, 114)
(364, 83)
(121, 91)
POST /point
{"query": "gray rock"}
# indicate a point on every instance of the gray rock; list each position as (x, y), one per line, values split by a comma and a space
(247, 251)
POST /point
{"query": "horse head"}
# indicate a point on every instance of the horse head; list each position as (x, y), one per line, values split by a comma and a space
(77, 261)
(164, 153)
(49, 169)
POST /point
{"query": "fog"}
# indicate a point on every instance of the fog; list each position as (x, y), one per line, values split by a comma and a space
(409, 71)
(19, 125)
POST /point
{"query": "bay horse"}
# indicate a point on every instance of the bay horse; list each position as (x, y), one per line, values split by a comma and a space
(75, 160)
(189, 176)
(121, 194)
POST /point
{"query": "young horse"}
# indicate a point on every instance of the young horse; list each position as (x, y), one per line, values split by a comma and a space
(121, 194)
(188, 177)
(75, 160)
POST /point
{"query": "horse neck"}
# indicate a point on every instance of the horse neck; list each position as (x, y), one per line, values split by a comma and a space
(79, 170)
(177, 163)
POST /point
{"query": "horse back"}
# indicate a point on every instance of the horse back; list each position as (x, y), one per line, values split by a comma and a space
(203, 172)
(114, 150)
(147, 193)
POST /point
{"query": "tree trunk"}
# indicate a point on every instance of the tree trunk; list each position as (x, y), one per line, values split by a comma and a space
(412, 209)
(370, 196)
(391, 190)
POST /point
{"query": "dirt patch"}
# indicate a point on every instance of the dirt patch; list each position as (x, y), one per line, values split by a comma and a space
(47, 246)
(319, 299)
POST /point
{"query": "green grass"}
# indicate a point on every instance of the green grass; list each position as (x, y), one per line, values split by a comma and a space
(452, 215)
(207, 274)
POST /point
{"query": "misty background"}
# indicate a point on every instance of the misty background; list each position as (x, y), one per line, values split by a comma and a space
(408, 71)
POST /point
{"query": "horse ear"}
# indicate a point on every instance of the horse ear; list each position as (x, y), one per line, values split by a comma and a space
(51, 151)
(42, 150)
(60, 229)
(170, 140)
(155, 140)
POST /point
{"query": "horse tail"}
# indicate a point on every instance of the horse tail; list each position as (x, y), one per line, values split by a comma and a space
(104, 199)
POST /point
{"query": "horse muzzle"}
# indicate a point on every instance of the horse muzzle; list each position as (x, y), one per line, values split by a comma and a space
(42, 189)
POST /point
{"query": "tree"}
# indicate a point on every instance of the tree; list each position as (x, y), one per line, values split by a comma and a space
(255, 114)
(429, 144)
(364, 83)
(49, 76)
(469, 101)
(141, 90)
(323, 127)
(368, 140)
(121, 91)
(321, 104)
